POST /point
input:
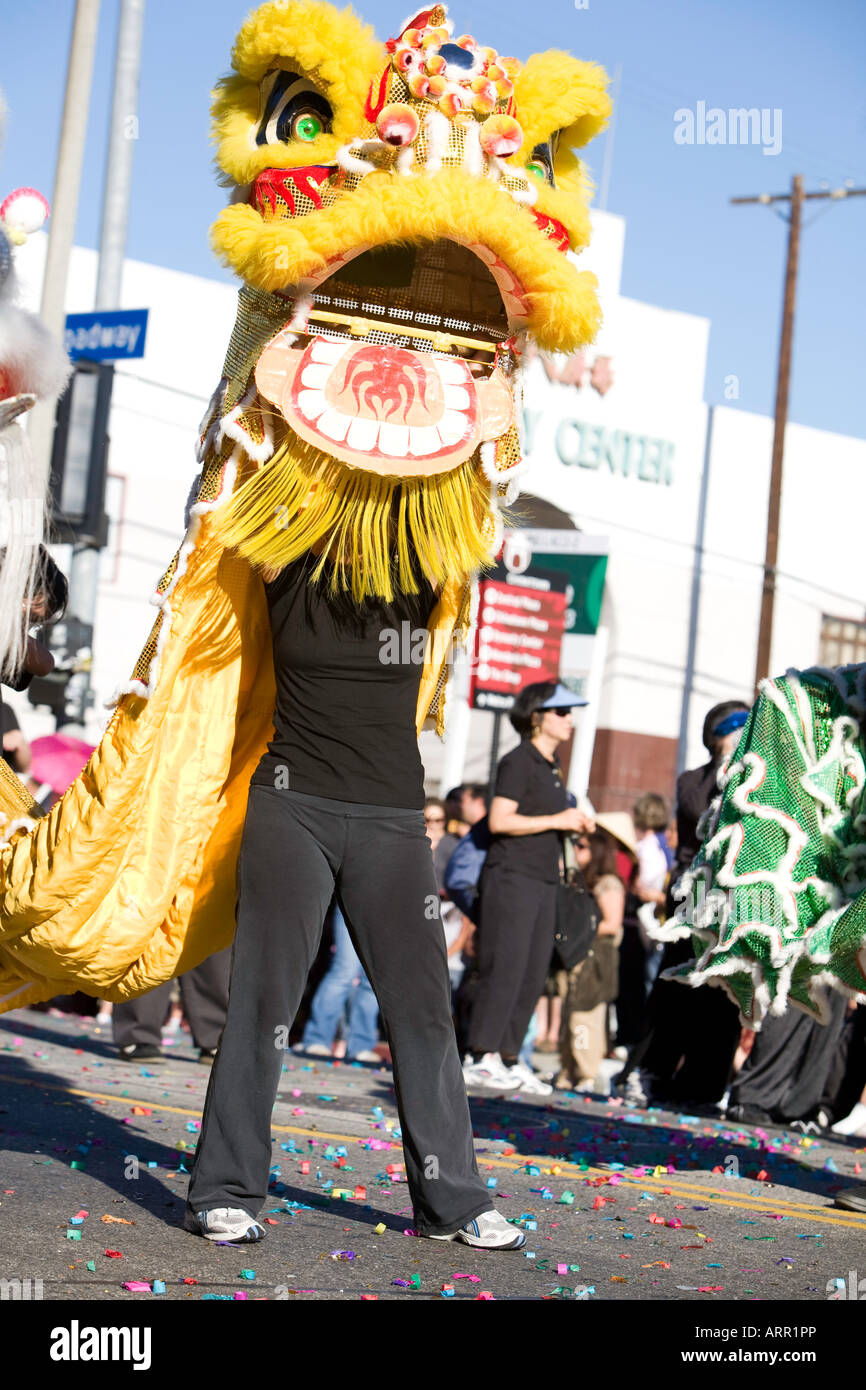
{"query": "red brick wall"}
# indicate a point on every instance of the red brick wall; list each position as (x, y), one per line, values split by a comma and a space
(626, 765)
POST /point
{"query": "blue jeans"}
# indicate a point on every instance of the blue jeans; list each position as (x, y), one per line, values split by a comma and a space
(336, 989)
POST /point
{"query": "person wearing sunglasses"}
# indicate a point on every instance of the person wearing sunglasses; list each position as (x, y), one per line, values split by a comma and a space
(528, 815)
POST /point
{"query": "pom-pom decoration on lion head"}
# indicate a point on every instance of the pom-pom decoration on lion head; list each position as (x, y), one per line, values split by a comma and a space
(400, 219)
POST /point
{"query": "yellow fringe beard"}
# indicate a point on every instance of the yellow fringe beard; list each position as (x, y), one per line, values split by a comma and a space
(374, 531)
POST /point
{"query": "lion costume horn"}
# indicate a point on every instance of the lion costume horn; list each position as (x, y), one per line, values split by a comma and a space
(399, 219)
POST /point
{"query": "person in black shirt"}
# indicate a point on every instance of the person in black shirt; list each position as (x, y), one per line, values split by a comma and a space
(336, 807)
(528, 815)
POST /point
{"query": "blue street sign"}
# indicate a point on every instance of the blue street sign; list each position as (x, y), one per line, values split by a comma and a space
(106, 334)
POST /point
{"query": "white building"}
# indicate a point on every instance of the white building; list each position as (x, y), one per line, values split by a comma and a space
(627, 464)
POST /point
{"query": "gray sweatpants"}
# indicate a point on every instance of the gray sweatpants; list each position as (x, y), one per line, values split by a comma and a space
(297, 850)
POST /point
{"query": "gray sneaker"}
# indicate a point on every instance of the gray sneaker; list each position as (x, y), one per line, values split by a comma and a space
(489, 1231)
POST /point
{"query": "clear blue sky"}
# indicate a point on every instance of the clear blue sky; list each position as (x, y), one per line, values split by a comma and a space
(686, 248)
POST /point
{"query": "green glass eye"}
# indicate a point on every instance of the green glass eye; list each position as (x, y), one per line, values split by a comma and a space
(308, 126)
(538, 169)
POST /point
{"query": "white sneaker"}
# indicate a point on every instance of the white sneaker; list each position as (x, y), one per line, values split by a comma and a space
(853, 1123)
(225, 1223)
(315, 1050)
(635, 1089)
(489, 1231)
(527, 1081)
(366, 1056)
(490, 1072)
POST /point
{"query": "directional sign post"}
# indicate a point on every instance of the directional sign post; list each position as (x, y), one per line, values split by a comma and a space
(107, 335)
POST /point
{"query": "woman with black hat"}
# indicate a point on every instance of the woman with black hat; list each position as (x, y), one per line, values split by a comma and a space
(528, 814)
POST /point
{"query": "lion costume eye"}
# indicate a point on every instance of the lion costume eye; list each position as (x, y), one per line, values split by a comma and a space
(541, 163)
(307, 125)
(291, 109)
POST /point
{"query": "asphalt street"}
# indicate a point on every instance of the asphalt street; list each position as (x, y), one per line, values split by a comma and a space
(617, 1203)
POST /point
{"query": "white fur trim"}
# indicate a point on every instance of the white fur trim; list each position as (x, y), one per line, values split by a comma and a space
(230, 426)
(474, 155)
(528, 195)
(438, 129)
(34, 358)
(351, 162)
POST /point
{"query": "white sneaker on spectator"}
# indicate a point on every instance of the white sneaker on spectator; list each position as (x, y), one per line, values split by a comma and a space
(490, 1072)
(366, 1056)
(316, 1050)
(527, 1081)
(635, 1090)
(853, 1123)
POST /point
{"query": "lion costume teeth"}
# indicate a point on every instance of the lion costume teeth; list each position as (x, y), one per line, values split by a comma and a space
(399, 220)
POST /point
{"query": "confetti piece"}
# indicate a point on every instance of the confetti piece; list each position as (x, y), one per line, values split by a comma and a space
(91, 1265)
(380, 1229)
(248, 1274)
(158, 1286)
(114, 1254)
(137, 1286)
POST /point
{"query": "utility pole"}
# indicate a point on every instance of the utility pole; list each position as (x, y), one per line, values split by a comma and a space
(796, 198)
(64, 206)
(122, 138)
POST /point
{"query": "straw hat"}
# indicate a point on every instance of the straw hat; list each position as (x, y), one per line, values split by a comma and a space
(620, 825)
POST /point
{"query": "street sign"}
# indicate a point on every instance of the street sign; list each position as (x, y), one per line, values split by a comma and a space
(521, 621)
(107, 335)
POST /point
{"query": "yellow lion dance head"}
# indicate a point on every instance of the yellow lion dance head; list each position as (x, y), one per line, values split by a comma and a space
(400, 220)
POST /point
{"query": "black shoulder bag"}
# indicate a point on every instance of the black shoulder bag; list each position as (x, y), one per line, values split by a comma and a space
(577, 914)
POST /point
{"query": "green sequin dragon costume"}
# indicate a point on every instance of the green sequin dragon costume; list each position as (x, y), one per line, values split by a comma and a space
(775, 901)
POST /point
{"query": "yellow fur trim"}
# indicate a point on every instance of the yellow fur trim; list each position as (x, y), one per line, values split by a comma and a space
(333, 48)
(303, 501)
(554, 92)
(320, 38)
(384, 210)
(235, 111)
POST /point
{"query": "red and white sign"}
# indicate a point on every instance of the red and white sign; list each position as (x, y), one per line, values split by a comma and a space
(518, 638)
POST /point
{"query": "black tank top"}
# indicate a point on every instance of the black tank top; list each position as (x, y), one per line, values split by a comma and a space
(347, 680)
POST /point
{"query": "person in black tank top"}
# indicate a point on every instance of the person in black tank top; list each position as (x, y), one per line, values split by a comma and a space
(347, 688)
(336, 810)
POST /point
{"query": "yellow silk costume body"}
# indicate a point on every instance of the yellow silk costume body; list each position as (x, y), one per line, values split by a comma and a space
(400, 219)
